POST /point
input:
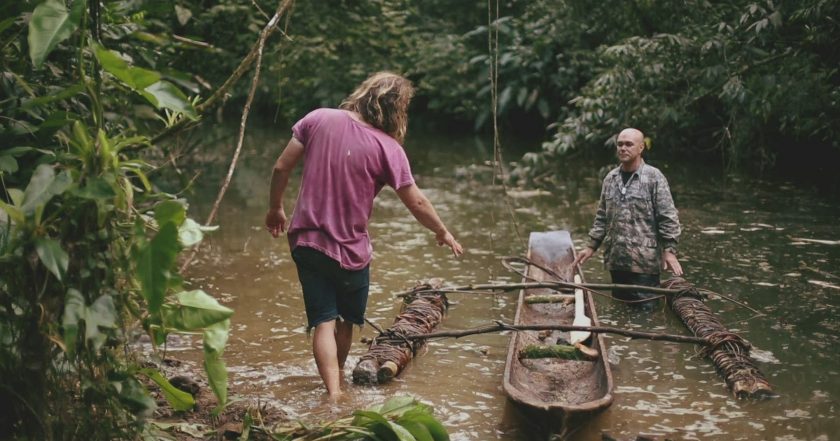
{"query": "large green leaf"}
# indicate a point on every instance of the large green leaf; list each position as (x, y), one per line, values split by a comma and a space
(50, 24)
(61, 95)
(402, 433)
(13, 210)
(8, 164)
(417, 430)
(97, 189)
(102, 313)
(52, 256)
(154, 262)
(135, 397)
(398, 405)
(215, 339)
(178, 399)
(43, 185)
(136, 78)
(366, 417)
(435, 428)
(194, 310)
(164, 94)
(170, 211)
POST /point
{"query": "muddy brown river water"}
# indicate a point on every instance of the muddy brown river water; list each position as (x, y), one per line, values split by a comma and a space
(770, 244)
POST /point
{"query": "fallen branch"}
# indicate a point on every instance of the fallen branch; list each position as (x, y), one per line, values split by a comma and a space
(554, 285)
(499, 326)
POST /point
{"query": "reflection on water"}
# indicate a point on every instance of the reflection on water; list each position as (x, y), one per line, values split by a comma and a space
(742, 238)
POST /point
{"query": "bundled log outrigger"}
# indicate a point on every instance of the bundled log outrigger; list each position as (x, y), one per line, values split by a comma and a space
(729, 352)
(391, 350)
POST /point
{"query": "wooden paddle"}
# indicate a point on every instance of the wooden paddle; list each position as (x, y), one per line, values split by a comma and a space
(581, 319)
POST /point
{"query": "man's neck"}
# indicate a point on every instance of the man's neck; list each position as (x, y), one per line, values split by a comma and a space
(632, 166)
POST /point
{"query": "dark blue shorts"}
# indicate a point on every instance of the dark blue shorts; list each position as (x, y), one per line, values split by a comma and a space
(330, 291)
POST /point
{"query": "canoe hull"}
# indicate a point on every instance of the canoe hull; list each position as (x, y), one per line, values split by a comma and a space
(559, 393)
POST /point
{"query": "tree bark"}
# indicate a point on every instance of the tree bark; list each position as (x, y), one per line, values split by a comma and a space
(728, 351)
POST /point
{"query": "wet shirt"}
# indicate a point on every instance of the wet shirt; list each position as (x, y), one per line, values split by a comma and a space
(346, 164)
(635, 221)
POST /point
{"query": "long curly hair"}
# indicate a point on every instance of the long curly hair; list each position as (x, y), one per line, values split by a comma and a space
(382, 101)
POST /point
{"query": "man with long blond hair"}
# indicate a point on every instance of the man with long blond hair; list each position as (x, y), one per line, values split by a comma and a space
(350, 154)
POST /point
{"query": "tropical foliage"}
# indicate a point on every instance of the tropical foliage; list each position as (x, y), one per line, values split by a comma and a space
(89, 242)
(88, 245)
(398, 419)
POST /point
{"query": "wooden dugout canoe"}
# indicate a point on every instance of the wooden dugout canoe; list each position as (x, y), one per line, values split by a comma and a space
(553, 391)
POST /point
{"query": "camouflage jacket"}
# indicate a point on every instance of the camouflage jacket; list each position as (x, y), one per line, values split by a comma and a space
(635, 222)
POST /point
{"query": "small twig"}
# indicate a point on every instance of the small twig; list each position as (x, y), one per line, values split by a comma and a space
(191, 42)
(499, 326)
(730, 299)
(375, 326)
(803, 265)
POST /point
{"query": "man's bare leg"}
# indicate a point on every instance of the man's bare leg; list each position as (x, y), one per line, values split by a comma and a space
(343, 340)
(324, 348)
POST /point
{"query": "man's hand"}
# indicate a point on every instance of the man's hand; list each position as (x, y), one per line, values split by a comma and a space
(584, 255)
(670, 262)
(275, 221)
(446, 238)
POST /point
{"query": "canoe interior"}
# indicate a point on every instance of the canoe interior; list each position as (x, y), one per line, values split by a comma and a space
(567, 386)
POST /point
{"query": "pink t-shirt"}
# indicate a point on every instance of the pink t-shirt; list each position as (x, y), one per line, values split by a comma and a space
(346, 164)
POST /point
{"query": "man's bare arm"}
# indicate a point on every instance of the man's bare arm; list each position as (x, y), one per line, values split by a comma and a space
(425, 213)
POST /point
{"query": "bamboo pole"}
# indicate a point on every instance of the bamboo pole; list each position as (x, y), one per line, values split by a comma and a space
(532, 285)
(500, 326)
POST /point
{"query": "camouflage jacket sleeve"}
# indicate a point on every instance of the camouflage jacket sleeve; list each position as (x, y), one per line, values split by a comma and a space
(667, 220)
(599, 226)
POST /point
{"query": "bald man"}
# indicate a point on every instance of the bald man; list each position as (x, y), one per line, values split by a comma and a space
(636, 222)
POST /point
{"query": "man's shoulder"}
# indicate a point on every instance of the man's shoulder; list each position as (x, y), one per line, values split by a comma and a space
(612, 173)
(653, 171)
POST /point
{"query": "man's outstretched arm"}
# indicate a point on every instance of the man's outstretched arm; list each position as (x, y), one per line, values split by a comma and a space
(425, 213)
